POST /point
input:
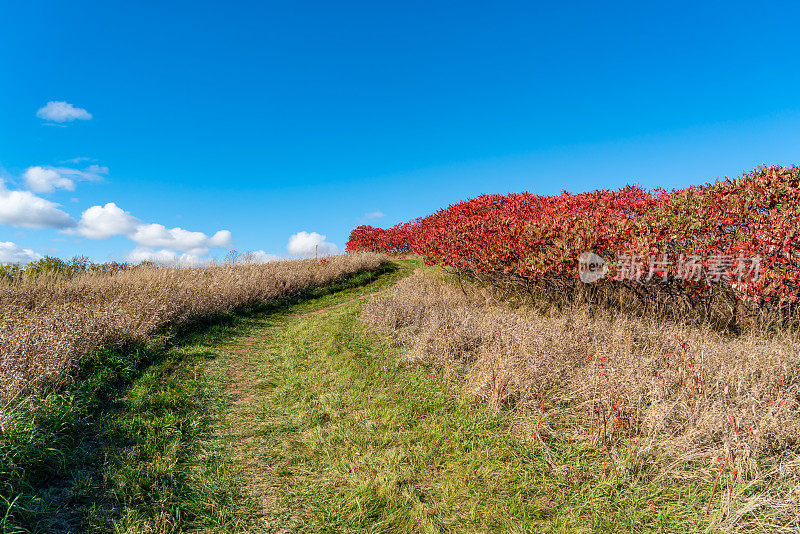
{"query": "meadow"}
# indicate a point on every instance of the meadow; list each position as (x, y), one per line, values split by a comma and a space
(449, 374)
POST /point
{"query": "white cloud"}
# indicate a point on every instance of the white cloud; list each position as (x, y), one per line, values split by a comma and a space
(46, 179)
(140, 254)
(93, 173)
(23, 208)
(62, 112)
(197, 243)
(12, 253)
(221, 239)
(157, 235)
(374, 215)
(304, 244)
(259, 256)
(102, 222)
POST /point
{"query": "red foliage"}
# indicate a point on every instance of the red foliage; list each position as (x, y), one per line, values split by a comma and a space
(755, 215)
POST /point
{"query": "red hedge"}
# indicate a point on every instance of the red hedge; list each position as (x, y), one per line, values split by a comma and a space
(533, 235)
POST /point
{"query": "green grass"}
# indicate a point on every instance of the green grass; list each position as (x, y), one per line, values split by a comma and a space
(280, 418)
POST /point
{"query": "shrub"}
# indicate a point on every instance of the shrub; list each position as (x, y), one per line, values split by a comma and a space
(537, 239)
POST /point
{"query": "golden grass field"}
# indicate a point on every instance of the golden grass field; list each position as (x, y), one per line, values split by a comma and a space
(49, 321)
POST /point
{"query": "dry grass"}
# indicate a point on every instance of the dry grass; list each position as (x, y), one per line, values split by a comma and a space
(714, 305)
(680, 402)
(47, 322)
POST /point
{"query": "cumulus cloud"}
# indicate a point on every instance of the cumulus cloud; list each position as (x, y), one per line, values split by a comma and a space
(374, 215)
(23, 208)
(102, 222)
(46, 179)
(305, 245)
(156, 241)
(13, 253)
(196, 243)
(62, 112)
(140, 254)
(221, 239)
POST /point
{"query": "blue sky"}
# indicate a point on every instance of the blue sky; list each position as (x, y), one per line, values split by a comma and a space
(246, 123)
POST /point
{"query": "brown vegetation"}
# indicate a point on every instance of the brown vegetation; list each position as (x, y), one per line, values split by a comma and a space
(687, 401)
(47, 321)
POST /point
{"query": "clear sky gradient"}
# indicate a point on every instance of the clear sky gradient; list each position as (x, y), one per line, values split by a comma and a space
(266, 119)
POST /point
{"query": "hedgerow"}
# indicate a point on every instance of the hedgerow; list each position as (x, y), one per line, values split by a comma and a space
(750, 220)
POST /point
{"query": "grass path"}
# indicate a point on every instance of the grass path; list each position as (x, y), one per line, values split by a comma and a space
(326, 433)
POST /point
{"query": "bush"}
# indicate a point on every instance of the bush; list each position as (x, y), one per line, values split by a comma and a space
(534, 239)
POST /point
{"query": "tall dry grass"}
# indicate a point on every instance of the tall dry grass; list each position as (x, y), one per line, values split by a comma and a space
(48, 321)
(687, 402)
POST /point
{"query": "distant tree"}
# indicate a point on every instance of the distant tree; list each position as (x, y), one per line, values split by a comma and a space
(10, 272)
(47, 266)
